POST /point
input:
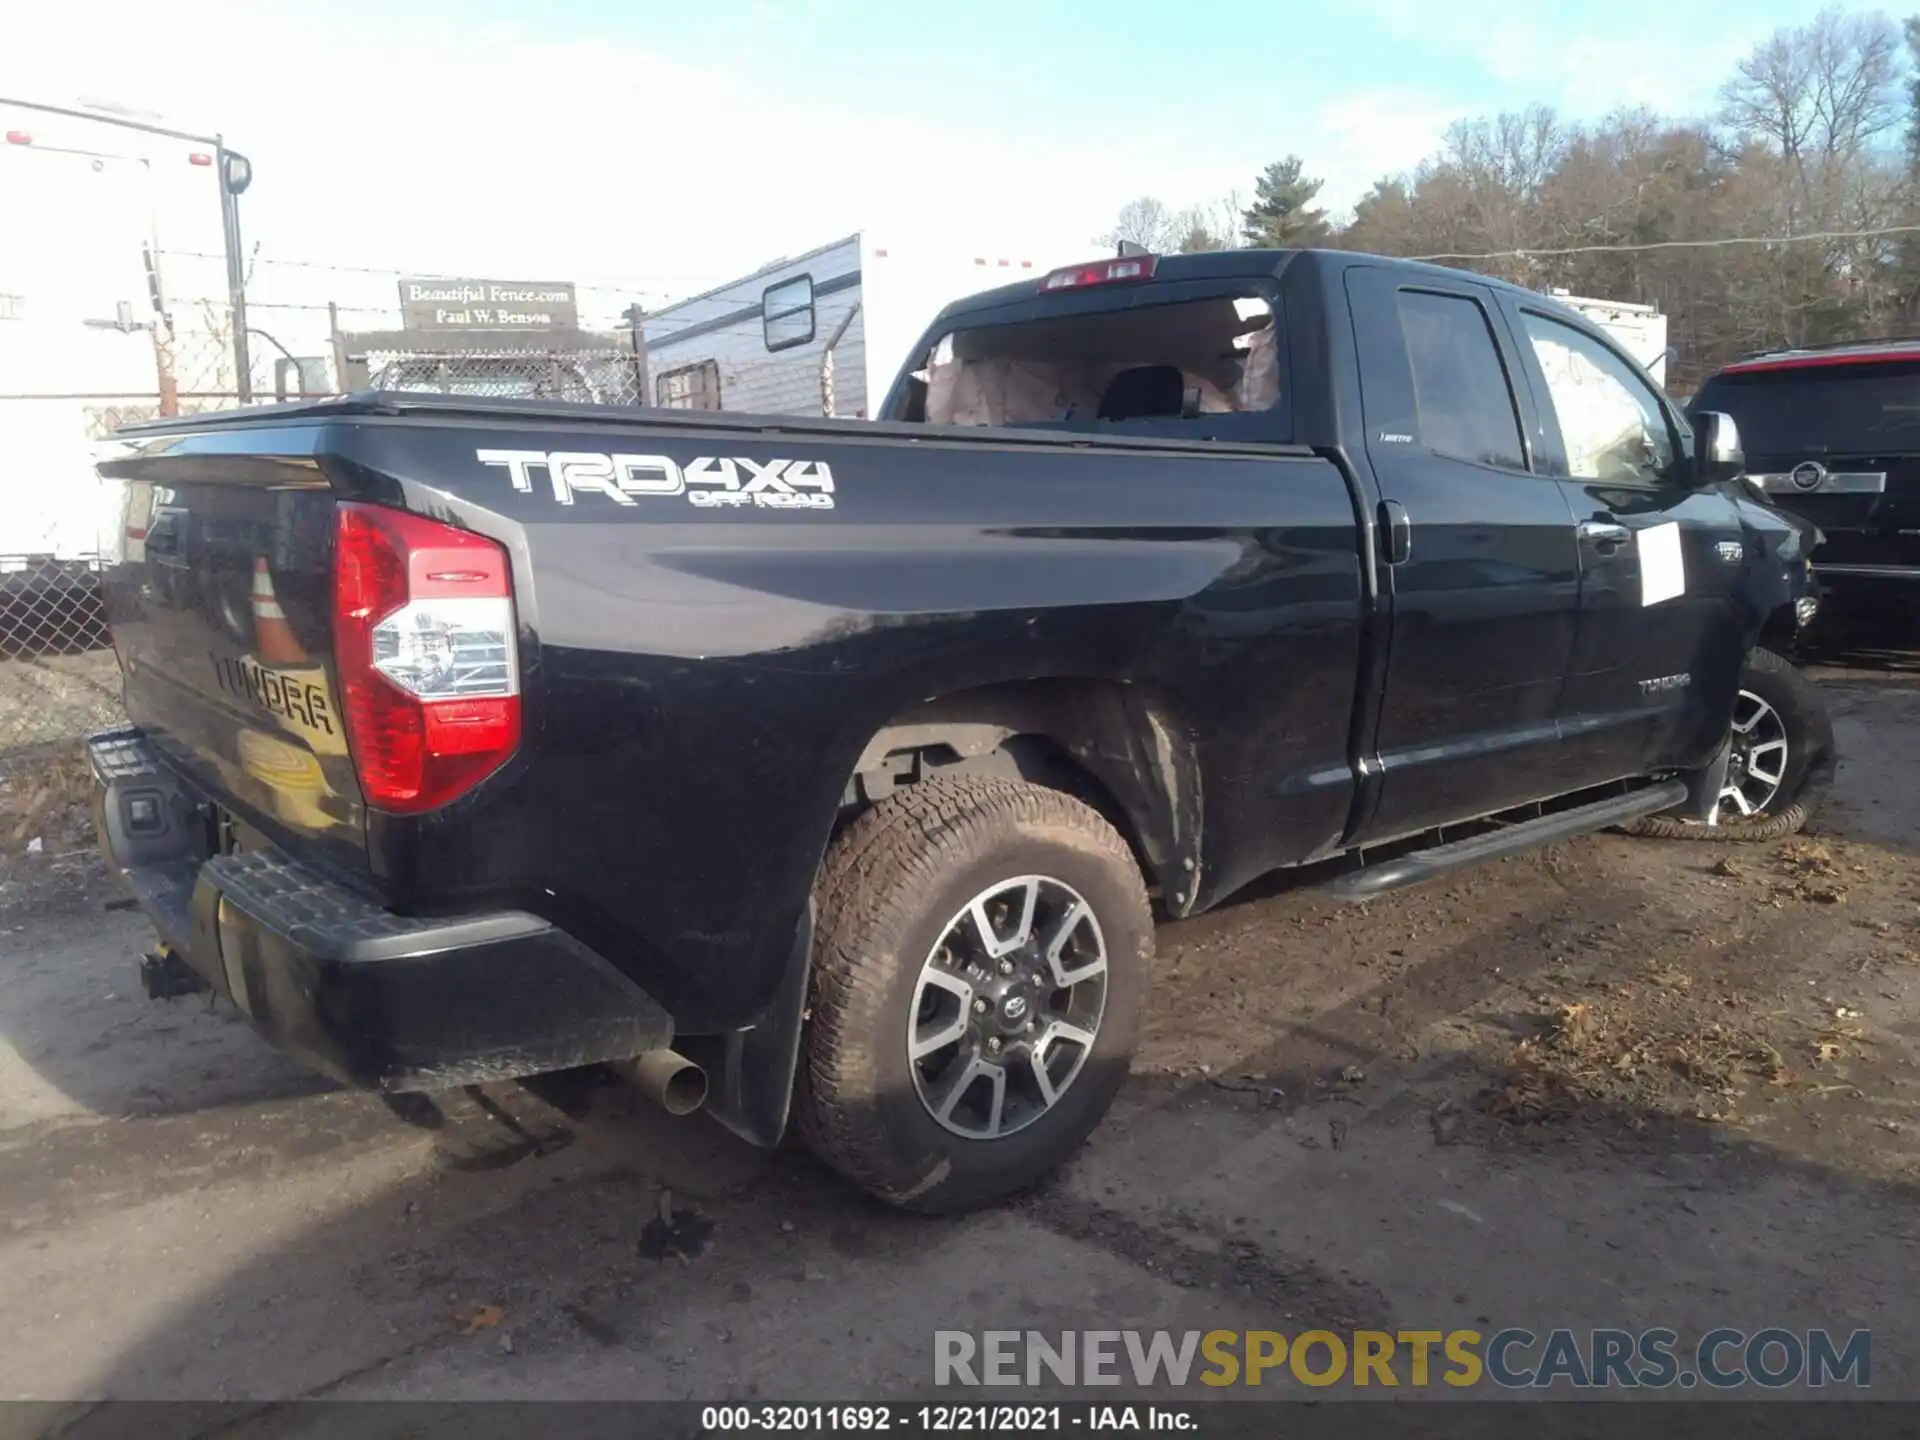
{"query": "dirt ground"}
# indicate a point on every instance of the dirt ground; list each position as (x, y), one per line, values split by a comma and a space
(1618, 1082)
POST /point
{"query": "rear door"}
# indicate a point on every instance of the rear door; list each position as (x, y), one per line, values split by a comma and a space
(1485, 599)
(1661, 636)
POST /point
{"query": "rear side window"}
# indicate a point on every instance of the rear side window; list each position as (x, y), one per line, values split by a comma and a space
(1820, 410)
(1160, 368)
(1462, 399)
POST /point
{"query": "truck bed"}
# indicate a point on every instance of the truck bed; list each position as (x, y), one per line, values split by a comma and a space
(699, 683)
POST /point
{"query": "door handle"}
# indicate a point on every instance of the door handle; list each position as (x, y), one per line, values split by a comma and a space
(1604, 534)
(1398, 526)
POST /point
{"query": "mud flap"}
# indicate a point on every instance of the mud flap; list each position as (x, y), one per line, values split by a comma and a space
(1705, 784)
(751, 1072)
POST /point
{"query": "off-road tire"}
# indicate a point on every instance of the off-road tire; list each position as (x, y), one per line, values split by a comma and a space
(1810, 761)
(888, 888)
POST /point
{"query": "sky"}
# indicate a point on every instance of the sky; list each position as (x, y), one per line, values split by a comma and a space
(647, 151)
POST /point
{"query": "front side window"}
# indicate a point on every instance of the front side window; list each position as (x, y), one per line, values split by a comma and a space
(1614, 429)
(1461, 396)
(786, 313)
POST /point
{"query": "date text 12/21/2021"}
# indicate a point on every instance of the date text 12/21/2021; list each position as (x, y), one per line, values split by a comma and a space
(943, 1419)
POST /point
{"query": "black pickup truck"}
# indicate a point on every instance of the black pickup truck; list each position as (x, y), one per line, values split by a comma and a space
(831, 770)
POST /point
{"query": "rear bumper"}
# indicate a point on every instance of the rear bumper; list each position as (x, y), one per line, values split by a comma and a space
(361, 994)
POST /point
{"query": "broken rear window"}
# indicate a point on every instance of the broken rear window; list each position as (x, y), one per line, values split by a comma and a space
(1171, 368)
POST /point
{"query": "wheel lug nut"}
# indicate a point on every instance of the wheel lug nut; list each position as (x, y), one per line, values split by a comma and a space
(979, 1007)
(994, 1043)
(1006, 967)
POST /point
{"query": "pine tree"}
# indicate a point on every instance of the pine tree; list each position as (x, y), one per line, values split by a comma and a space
(1283, 215)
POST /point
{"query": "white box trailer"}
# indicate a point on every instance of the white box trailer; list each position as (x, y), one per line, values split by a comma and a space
(1640, 329)
(116, 238)
(823, 333)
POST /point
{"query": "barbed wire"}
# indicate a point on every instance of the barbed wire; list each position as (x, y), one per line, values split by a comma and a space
(604, 284)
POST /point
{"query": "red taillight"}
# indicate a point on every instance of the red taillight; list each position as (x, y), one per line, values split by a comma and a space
(199, 157)
(423, 635)
(1101, 272)
(19, 137)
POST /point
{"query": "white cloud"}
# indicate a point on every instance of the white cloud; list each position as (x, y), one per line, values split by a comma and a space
(1645, 52)
(1371, 135)
(464, 148)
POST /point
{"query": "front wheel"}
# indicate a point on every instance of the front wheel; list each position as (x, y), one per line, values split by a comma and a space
(979, 972)
(1781, 762)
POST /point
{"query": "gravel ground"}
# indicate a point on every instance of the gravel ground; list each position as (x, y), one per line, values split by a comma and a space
(1616, 1082)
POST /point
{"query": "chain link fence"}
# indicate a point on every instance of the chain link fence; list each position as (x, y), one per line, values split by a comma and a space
(59, 677)
(59, 681)
(605, 371)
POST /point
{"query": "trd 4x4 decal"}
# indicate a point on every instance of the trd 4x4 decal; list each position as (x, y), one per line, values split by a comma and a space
(707, 481)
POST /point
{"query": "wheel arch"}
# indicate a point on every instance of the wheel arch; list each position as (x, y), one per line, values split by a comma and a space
(1780, 631)
(1114, 745)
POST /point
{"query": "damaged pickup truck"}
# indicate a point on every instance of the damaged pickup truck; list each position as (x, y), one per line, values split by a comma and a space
(829, 773)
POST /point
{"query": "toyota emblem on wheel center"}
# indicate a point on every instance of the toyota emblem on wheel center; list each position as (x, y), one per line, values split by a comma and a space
(1807, 475)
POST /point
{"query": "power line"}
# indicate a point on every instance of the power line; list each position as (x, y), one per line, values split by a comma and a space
(1533, 252)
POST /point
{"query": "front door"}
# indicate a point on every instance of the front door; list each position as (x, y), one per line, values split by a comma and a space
(1660, 645)
(1485, 599)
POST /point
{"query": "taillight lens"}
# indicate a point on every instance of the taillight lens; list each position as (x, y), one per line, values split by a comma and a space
(424, 643)
(1101, 272)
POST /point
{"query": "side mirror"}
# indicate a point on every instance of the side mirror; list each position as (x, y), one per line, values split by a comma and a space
(1717, 456)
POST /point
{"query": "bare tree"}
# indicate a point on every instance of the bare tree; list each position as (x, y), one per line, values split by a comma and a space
(1819, 94)
(1211, 226)
(1146, 222)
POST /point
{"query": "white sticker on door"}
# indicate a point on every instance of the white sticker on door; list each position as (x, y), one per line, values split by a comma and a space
(1663, 573)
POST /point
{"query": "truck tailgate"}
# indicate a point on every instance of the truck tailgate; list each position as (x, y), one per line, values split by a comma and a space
(219, 592)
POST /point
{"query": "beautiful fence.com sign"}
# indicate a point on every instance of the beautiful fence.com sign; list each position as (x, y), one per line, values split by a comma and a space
(488, 305)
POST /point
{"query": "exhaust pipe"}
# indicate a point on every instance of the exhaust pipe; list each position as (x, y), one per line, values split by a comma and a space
(667, 1078)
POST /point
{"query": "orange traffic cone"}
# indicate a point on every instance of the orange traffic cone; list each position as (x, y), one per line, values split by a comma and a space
(272, 637)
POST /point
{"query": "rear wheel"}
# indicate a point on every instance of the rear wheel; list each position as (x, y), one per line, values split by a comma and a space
(1780, 765)
(979, 972)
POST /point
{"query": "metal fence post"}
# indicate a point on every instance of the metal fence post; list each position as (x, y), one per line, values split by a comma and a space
(828, 398)
(636, 321)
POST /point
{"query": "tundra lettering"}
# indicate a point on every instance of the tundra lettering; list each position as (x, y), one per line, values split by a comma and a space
(284, 695)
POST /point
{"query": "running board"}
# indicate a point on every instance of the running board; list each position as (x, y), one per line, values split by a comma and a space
(1424, 865)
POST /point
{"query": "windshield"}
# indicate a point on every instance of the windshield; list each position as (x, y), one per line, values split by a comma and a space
(1821, 410)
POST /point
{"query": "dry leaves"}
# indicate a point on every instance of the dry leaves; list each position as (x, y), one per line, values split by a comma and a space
(480, 1317)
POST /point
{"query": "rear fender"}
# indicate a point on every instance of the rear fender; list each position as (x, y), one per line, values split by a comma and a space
(1130, 744)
